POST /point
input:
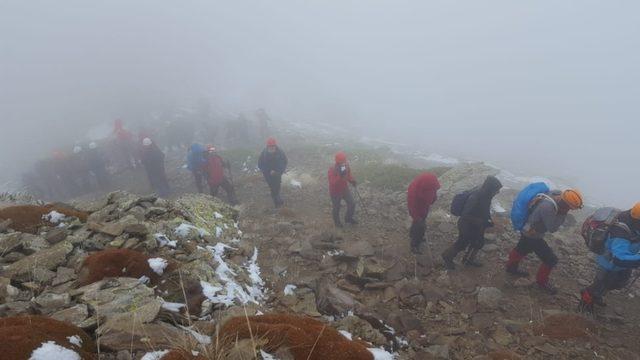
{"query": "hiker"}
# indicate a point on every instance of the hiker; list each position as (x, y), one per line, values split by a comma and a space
(196, 160)
(124, 142)
(216, 178)
(620, 256)
(98, 166)
(273, 163)
(421, 194)
(153, 162)
(474, 219)
(546, 212)
(339, 179)
(79, 168)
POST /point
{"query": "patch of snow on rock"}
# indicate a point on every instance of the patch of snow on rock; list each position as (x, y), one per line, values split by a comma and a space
(289, 289)
(346, 334)
(50, 351)
(155, 355)
(54, 217)
(381, 354)
(158, 265)
(75, 340)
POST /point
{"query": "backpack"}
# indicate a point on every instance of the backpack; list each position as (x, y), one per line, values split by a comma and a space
(595, 229)
(524, 203)
(459, 201)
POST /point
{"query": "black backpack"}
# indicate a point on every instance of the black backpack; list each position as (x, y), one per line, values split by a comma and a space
(459, 201)
(595, 229)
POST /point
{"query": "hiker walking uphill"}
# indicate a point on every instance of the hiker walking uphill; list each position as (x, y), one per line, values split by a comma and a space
(340, 177)
(216, 178)
(273, 163)
(421, 194)
(620, 254)
(475, 218)
(536, 211)
(153, 162)
(196, 161)
(98, 166)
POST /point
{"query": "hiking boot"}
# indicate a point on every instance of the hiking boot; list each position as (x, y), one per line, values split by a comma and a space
(448, 262)
(473, 262)
(515, 271)
(548, 288)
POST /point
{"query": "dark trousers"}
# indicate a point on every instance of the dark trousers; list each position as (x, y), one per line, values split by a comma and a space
(228, 188)
(199, 177)
(337, 204)
(417, 231)
(606, 281)
(527, 245)
(470, 234)
(274, 182)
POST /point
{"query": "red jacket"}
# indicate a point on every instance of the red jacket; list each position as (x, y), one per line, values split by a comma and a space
(214, 168)
(421, 195)
(338, 185)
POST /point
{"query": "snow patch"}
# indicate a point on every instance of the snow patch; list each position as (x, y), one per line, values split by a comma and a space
(50, 351)
(144, 279)
(202, 339)
(267, 356)
(163, 240)
(219, 231)
(173, 307)
(289, 289)
(158, 265)
(217, 215)
(54, 217)
(184, 229)
(346, 334)
(497, 208)
(155, 355)
(381, 354)
(229, 291)
(296, 184)
(75, 340)
(441, 159)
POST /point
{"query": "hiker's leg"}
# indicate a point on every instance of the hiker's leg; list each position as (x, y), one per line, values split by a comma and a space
(595, 292)
(213, 190)
(618, 279)
(351, 207)
(231, 192)
(198, 177)
(335, 211)
(548, 258)
(416, 234)
(460, 244)
(522, 249)
(476, 242)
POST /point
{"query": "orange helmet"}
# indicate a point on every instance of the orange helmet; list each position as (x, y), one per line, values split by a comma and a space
(635, 211)
(573, 198)
(341, 157)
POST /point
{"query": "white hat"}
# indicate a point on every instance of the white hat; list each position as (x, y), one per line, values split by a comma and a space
(93, 145)
(146, 142)
(77, 149)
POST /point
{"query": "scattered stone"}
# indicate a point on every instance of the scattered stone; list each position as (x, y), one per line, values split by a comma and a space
(51, 302)
(48, 259)
(489, 297)
(75, 315)
(56, 235)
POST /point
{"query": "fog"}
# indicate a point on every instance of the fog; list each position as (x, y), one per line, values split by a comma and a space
(541, 88)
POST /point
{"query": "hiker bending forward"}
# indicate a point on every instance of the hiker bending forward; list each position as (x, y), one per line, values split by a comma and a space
(339, 179)
(421, 194)
(549, 211)
(216, 178)
(620, 257)
(474, 220)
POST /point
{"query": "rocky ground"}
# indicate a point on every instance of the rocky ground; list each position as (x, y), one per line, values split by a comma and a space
(190, 262)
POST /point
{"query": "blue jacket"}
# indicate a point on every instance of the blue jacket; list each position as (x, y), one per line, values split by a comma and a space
(195, 157)
(620, 254)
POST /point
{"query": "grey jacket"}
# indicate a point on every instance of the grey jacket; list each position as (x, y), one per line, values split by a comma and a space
(544, 218)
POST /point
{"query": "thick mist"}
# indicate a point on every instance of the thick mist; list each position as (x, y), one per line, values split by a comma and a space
(541, 88)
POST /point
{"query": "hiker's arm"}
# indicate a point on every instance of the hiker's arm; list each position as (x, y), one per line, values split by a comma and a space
(622, 254)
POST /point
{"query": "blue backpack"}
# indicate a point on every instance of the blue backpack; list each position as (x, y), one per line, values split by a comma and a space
(520, 208)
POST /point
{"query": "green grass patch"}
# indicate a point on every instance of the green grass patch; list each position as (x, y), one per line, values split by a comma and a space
(394, 177)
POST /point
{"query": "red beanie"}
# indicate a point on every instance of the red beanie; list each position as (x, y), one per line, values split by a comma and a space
(271, 142)
(341, 157)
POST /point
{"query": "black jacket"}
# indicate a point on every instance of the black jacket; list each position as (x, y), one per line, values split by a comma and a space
(478, 205)
(276, 161)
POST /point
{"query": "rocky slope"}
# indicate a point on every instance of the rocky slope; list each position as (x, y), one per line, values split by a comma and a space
(189, 263)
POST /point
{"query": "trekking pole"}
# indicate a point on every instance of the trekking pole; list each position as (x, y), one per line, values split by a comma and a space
(364, 207)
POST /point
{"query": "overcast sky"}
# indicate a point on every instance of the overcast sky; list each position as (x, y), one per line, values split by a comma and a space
(539, 87)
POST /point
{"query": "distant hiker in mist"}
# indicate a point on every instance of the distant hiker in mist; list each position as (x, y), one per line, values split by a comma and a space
(421, 194)
(216, 178)
(98, 166)
(125, 145)
(273, 163)
(620, 255)
(544, 211)
(196, 161)
(79, 168)
(153, 162)
(474, 209)
(340, 177)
